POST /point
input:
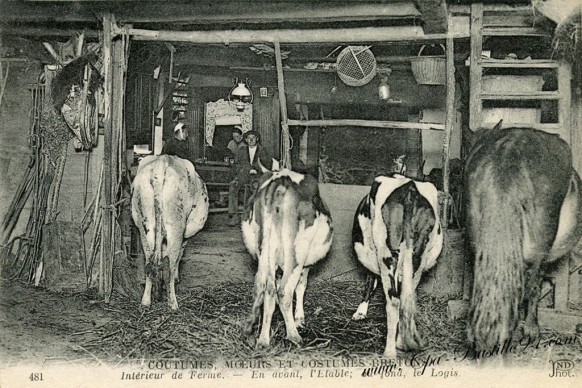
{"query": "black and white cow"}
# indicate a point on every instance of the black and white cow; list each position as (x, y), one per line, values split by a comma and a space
(397, 235)
(288, 228)
(169, 204)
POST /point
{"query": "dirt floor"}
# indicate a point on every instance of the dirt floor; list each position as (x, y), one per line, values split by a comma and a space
(41, 327)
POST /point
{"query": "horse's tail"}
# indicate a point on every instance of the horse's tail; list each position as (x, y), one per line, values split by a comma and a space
(496, 230)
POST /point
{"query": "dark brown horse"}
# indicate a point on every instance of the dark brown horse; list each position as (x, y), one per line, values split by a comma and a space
(524, 210)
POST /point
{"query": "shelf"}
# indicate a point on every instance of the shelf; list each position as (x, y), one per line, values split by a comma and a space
(513, 31)
(521, 96)
(555, 128)
(517, 63)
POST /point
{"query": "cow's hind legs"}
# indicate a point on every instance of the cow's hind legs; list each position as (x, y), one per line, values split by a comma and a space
(268, 309)
(151, 276)
(371, 284)
(146, 299)
(286, 291)
(170, 278)
(259, 296)
(299, 294)
(392, 305)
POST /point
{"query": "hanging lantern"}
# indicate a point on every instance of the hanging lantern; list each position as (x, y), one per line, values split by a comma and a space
(384, 89)
(240, 94)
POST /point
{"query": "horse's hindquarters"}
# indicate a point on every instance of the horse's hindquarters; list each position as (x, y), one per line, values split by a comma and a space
(570, 222)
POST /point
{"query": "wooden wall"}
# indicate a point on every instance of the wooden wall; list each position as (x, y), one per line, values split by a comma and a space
(15, 124)
(15, 153)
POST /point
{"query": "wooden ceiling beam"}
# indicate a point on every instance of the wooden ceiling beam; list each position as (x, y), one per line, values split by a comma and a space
(206, 13)
(332, 35)
(47, 32)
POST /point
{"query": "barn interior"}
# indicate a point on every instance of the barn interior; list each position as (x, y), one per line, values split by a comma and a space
(343, 91)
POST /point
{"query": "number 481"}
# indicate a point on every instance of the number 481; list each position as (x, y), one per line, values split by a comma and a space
(35, 377)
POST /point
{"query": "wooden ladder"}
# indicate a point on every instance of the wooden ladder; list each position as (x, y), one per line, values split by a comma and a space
(477, 95)
(562, 127)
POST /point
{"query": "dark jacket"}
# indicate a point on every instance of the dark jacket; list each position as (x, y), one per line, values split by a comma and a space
(180, 148)
(242, 164)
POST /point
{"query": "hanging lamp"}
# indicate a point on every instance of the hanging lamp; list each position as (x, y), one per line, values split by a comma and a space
(240, 93)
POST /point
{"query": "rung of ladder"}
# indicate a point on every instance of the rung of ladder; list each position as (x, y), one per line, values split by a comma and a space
(521, 96)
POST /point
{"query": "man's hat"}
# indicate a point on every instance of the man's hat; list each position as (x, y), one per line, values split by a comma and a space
(246, 134)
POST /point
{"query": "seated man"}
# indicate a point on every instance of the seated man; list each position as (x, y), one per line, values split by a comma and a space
(237, 140)
(246, 170)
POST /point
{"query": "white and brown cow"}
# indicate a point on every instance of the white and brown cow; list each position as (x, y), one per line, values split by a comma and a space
(288, 228)
(397, 235)
(169, 204)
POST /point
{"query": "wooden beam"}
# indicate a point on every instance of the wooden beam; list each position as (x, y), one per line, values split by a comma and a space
(514, 31)
(208, 12)
(285, 136)
(341, 35)
(449, 122)
(521, 96)
(512, 20)
(510, 63)
(117, 151)
(465, 9)
(108, 149)
(46, 32)
(475, 72)
(565, 102)
(366, 123)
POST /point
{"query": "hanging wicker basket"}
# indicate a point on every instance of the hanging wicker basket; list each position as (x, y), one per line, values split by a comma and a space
(356, 65)
(429, 70)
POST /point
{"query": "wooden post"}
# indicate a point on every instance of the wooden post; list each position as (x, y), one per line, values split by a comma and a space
(475, 69)
(158, 116)
(449, 122)
(285, 136)
(107, 200)
(564, 73)
(117, 152)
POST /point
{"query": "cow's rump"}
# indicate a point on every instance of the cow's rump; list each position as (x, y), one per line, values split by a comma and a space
(286, 227)
(169, 204)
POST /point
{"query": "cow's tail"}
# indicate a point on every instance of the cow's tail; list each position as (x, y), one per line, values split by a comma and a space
(408, 334)
(286, 217)
(159, 272)
(273, 213)
(496, 229)
(285, 220)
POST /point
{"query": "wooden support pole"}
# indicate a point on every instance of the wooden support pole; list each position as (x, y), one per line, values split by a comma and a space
(565, 102)
(366, 123)
(285, 136)
(449, 122)
(475, 72)
(108, 147)
(117, 152)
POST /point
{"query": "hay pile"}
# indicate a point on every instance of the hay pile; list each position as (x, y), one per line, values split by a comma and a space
(209, 323)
